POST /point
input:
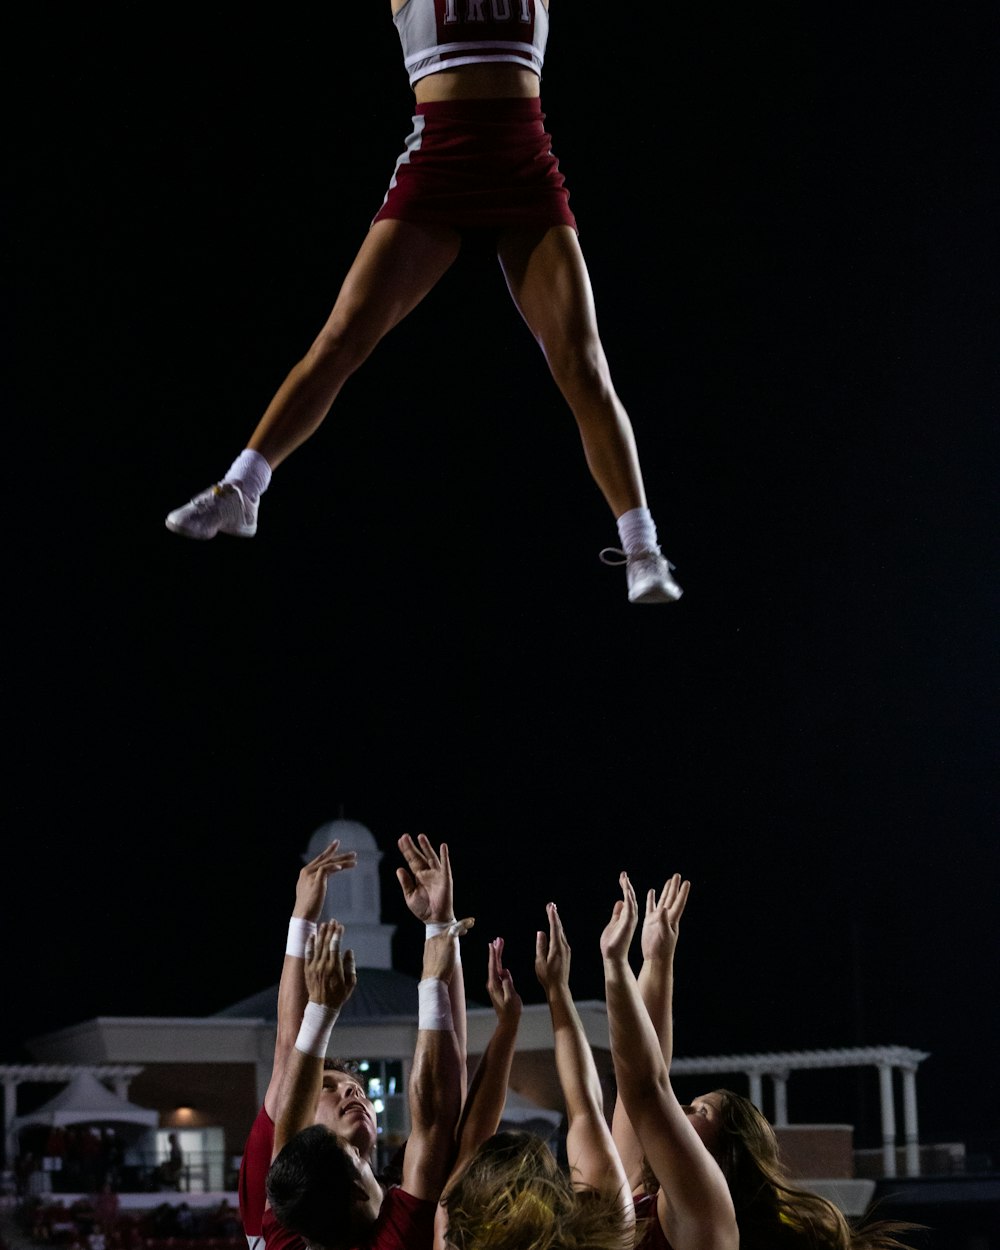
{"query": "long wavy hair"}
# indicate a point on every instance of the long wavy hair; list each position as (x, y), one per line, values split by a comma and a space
(771, 1211)
(513, 1195)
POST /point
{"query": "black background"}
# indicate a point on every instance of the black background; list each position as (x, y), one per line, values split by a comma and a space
(789, 213)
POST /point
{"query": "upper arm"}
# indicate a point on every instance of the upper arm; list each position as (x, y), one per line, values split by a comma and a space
(694, 1201)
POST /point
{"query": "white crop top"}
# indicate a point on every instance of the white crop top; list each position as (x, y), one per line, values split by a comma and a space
(440, 34)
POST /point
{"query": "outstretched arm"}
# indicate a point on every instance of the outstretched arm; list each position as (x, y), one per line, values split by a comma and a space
(435, 1079)
(660, 928)
(330, 978)
(487, 1094)
(427, 888)
(694, 1205)
(310, 894)
(591, 1154)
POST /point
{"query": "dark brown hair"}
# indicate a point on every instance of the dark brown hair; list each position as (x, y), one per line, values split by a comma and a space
(771, 1211)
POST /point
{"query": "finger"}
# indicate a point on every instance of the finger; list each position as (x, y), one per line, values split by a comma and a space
(680, 902)
(350, 971)
(406, 881)
(328, 850)
(628, 889)
(670, 890)
(556, 930)
(310, 947)
(459, 928)
(650, 902)
(428, 851)
(541, 945)
(411, 853)
(445, 858)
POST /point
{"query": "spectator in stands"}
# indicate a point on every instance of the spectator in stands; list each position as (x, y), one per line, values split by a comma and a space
(171, 1170)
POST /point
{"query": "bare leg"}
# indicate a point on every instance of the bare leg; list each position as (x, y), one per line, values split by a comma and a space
(396, 266)
(548, 280)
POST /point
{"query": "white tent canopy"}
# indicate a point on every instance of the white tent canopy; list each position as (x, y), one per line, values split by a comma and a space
(85, 1100)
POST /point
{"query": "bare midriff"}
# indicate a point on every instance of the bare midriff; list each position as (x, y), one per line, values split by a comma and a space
(488, 81)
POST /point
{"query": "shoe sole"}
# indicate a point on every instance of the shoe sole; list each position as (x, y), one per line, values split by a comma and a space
(657, 594)
(174, 528)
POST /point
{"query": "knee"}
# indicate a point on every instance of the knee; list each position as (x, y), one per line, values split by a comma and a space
(336, 350)
(579, 367)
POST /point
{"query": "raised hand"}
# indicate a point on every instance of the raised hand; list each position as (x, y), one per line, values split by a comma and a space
(500, 986)
(426, 882)
(310, 889)
(330, 974)
(552, 953)
(620, 929)
(661, 923)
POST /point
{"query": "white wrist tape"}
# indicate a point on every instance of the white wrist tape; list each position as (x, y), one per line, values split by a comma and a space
(444, 926)
(298, 931)
(315, 1029)
(435, 1005)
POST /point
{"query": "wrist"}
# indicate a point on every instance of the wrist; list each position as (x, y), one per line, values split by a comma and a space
(300, 929)
(438, 925)
(317, 1024)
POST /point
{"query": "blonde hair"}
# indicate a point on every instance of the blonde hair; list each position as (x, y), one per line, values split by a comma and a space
(514, 1196)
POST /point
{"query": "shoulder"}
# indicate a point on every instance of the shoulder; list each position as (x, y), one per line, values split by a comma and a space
(404, 1222)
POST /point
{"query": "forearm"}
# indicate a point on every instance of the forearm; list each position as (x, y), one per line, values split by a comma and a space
(483, 1107)
(575, 1065)
(456, 993)
(292, 999)
(656, 988)
(435, 1105)
(635, 1046)
(297, 1096)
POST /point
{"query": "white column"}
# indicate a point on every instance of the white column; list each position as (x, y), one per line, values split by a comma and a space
(910, 1121)
(888, 1120)
(756, 1090)
(780, 1081)
(9, 1115)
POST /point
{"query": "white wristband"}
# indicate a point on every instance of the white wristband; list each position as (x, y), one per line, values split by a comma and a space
(435, 1005)
(298, 931)
(315, 1029)
(444, 926)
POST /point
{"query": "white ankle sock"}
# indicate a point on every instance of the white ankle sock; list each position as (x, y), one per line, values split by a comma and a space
(251, 471)
(637, 531)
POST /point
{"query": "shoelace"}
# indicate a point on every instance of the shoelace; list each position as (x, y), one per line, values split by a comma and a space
(624, 558)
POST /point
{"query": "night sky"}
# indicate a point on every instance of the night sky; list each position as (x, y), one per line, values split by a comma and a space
(789, 214)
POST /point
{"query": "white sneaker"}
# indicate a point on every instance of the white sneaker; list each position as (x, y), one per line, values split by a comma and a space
(648, 574)
(222, 509)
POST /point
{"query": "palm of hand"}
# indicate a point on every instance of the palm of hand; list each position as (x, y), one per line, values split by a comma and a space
(617, 935)
(426, 881)
(659, 936)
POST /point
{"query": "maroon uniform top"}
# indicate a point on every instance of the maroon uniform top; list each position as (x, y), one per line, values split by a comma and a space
(404, 1223)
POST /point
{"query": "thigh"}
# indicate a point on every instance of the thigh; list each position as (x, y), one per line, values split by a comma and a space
(396, 266)
(548, 280)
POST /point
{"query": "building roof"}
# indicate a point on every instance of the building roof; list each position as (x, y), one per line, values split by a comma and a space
(381, 994)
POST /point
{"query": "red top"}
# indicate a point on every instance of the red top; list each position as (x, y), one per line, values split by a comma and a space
(404, 1223)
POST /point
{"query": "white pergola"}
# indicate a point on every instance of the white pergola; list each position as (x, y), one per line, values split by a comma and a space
(779, 1065)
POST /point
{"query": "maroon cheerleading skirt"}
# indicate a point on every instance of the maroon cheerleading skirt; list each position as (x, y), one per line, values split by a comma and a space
(478, 164)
